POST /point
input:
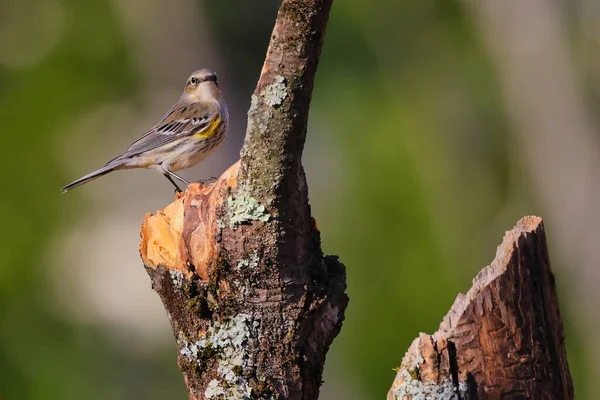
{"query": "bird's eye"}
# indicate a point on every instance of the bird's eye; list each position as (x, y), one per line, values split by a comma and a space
(194, 81)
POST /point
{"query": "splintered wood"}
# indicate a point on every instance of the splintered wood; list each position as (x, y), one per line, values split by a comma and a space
(503, 339)
(178, 240)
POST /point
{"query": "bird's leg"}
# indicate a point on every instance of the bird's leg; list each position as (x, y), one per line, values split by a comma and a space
(177, 189)
(170, 175)
(174, 175)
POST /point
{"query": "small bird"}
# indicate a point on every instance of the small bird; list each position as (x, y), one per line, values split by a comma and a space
(188, 132)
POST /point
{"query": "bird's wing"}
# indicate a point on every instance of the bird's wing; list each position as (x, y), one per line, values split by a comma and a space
(181, 121)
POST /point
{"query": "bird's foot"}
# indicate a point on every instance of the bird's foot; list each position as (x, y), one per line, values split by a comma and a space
(207, 181)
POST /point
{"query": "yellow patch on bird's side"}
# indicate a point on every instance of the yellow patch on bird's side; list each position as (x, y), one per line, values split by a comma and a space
(210, 130)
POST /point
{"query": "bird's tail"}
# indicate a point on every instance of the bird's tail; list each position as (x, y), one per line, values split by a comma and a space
(90, 177)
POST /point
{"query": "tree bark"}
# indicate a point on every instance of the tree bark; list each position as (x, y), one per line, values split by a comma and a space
(503, 339)
(253, 302)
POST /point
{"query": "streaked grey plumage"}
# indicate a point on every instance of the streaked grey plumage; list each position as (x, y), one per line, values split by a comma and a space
(187, 133)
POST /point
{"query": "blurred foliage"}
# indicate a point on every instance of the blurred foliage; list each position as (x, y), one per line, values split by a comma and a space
(414, 120)
(429, 184)
(41, 356)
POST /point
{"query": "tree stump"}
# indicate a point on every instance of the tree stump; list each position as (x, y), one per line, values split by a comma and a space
(503, 339)
(253, 302)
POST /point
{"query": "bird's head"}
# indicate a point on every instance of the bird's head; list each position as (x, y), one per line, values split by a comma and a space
(202, 85)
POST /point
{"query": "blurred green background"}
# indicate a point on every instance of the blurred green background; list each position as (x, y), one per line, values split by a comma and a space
(435, 126)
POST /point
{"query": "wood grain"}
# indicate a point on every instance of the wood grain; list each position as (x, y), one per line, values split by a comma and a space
(503, 339)
(253, 302)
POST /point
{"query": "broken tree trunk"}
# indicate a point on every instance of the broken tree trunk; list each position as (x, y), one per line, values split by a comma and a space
(503, 339)
(253, 302)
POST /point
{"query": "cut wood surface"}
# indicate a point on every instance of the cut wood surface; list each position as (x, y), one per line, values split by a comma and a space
(503, 339)
(253, 302)
(167, 237)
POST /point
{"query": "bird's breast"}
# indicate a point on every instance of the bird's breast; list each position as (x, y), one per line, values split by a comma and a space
(195, 149)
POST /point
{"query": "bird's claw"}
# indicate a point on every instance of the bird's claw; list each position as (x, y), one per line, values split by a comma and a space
(207, 181)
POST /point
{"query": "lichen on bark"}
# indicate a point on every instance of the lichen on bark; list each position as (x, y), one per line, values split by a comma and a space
(253, 302)
(502, 339)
